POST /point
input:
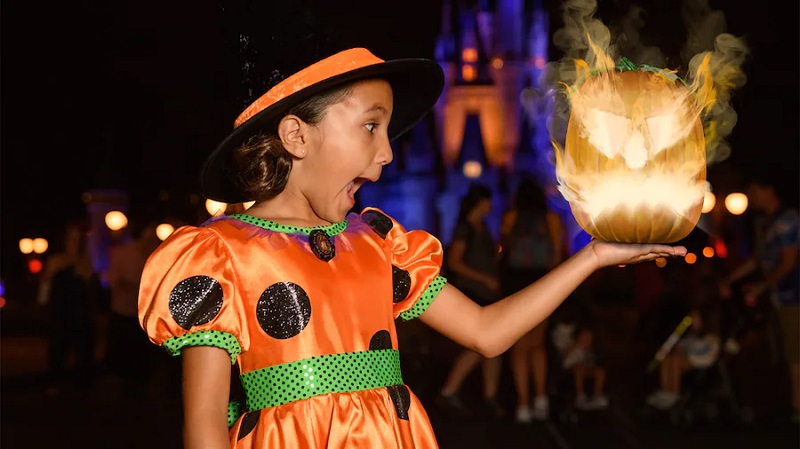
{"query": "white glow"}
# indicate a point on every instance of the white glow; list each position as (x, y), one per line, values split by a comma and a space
(248, 204)
(637, 140)
(607, 192)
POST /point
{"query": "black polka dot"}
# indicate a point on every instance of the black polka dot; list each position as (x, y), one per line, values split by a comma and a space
(381, 340)
(283, 310)
(401, 283)
(195, 300)
(379, 223)
(401, 398)
(248, 424)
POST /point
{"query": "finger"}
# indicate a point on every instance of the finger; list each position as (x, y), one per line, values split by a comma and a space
(667, 250)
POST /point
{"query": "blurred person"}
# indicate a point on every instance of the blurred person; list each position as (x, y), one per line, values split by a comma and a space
(128, 348)
(574, 339)
(533, 243)
(472, 263)
(697, 349)
(69, 290)
(774, 261)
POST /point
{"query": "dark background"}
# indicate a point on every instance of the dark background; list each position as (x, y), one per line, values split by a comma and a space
(133, 94)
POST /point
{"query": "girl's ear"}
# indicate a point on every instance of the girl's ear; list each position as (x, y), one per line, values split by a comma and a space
(293, 133)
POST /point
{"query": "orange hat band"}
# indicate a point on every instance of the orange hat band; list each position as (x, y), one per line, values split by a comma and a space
(342, 62)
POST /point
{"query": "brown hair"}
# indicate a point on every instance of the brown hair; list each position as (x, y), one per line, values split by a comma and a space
(263, 163)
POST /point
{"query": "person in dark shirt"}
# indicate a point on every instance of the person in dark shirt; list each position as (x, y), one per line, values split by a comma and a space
(472, 263)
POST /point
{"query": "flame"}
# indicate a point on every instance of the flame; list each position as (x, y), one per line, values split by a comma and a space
(623, 155)
(613, 188)
(636, 145)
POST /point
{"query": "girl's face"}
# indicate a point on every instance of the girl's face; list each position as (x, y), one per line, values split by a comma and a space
(347, 148)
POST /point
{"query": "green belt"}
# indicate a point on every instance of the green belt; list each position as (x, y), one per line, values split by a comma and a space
(334, 373)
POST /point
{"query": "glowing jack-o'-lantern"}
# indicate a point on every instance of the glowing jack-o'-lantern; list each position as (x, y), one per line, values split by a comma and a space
(633, 167)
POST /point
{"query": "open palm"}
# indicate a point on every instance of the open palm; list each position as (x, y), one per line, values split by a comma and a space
(614, 253)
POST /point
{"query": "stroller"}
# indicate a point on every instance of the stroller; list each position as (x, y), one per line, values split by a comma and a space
(707, 389)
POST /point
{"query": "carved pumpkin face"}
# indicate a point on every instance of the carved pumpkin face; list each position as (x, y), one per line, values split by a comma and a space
(633, 167)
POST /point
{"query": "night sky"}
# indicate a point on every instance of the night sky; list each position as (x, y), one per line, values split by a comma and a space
(132, 95)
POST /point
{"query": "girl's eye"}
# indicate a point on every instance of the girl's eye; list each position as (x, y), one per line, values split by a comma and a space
(370, 127)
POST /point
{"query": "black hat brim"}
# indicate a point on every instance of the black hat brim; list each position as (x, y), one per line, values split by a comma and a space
(416, 85)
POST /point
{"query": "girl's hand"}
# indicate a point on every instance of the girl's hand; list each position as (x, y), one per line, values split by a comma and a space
(612, 253)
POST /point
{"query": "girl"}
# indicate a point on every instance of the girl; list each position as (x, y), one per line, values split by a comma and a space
(303, 296)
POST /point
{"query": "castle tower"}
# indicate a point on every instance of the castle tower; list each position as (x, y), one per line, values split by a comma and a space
(485, 74)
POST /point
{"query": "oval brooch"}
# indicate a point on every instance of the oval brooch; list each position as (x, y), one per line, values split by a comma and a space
(322, 245)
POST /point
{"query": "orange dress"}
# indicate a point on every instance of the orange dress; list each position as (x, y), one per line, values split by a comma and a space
(308, 314)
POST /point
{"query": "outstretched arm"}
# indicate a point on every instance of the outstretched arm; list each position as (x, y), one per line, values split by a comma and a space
(492, 329)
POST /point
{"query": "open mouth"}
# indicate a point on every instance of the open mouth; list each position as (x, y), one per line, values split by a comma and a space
(353, 187)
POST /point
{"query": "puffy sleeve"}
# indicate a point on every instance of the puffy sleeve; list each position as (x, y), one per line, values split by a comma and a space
(416, 258)
(189, 296)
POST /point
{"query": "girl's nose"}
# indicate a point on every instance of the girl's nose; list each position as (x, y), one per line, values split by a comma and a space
(385, 154)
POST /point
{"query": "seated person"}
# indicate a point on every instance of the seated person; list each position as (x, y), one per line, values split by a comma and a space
(698, 349)
(574, 340)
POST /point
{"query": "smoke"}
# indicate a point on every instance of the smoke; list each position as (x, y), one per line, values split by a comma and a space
(706, 35)
(630, 41)
(584, 37)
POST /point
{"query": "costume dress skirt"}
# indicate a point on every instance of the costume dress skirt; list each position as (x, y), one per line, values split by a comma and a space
(308, 314)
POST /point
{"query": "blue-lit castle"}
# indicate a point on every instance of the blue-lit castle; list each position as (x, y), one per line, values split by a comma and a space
(479, 129)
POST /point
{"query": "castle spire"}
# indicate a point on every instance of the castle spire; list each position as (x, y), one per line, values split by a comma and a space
(445, 45)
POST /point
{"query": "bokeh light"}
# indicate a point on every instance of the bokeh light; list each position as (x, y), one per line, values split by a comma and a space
(116, 220)
(164, 230)
(215, 208)
(709, 201)
(35, 266)
(736, 203)
(720, 248)
(708, 251)
(690, 258)
(40, 245)
(26, 246)
(661, 262)
(472, 169)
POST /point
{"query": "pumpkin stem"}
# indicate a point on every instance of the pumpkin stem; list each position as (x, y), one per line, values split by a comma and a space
(626, 64)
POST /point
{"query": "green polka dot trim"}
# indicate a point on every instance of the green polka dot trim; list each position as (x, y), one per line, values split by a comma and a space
(331, 229)
(333, 373)
(234, 412)
(425, 300)
(219, 339)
